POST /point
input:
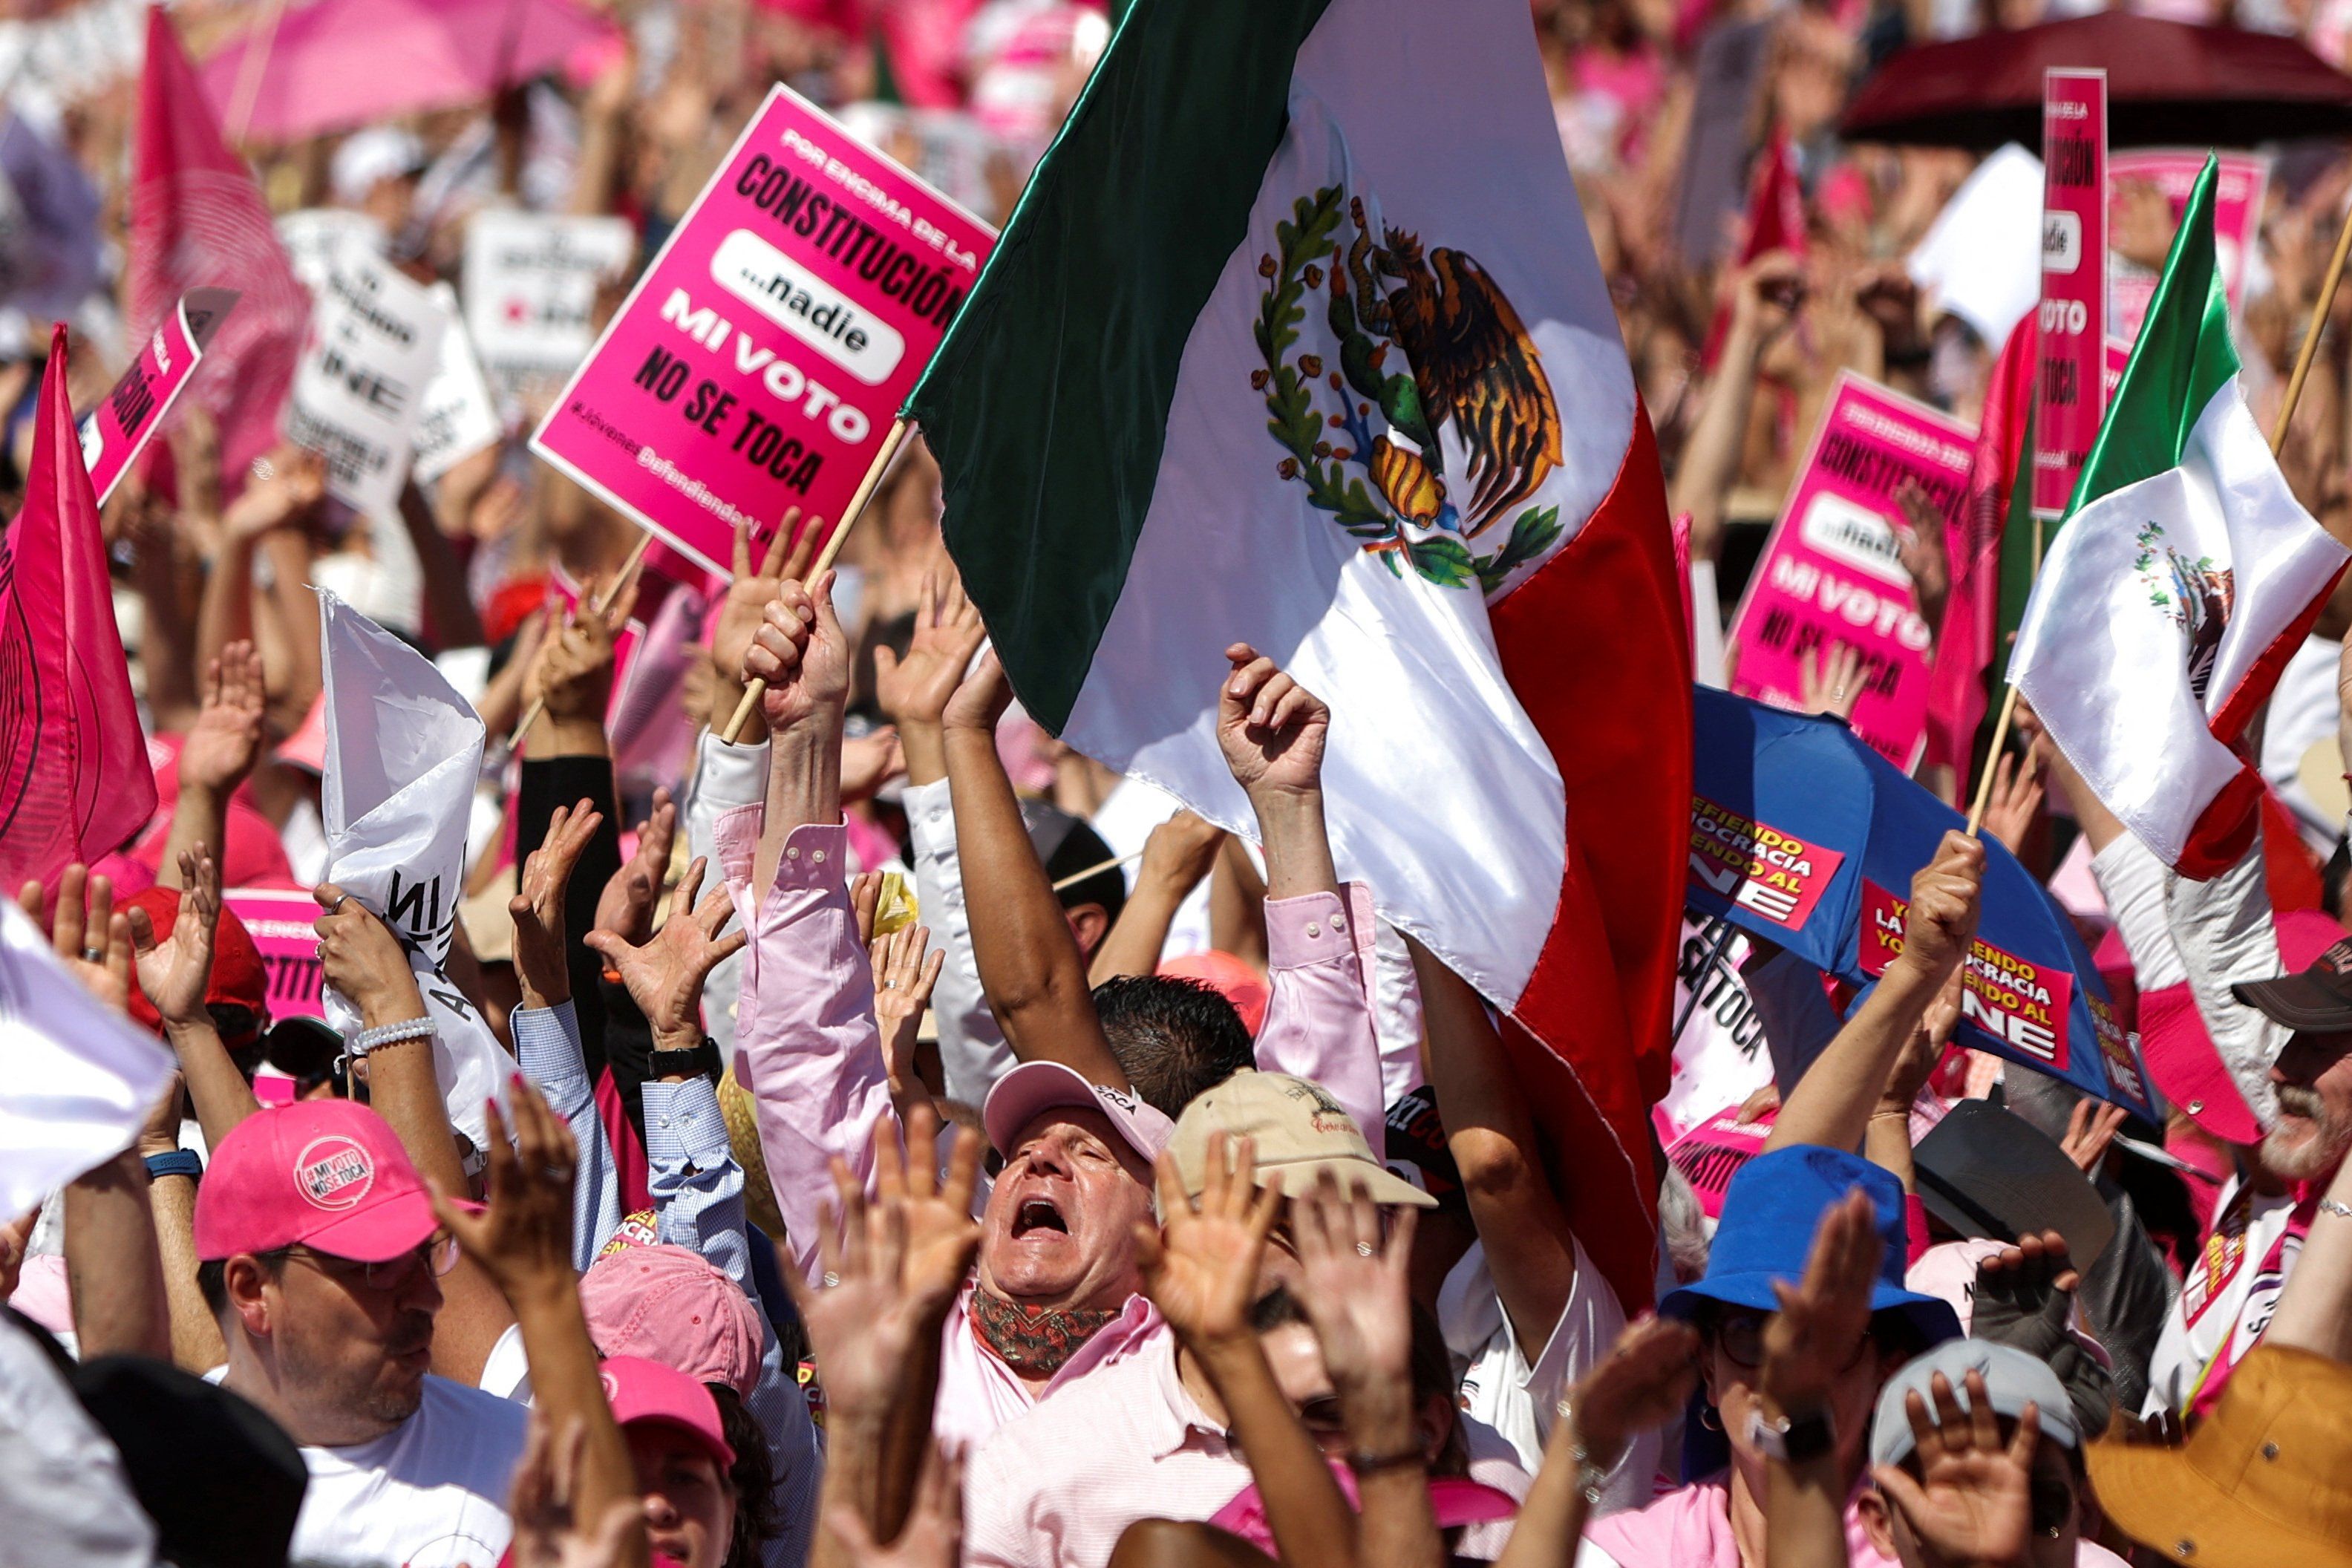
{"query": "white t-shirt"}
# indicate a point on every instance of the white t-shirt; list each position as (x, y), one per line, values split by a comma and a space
(1517, 1398)
(432, 1493)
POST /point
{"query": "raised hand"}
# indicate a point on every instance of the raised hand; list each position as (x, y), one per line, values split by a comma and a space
(523, 1240)
(870, 760)
(2090, 1128)
(626, 907)
(1830, 683)
(1356, 1290)
(942, 1236)
(980, 699)
(785, 559)
(2016, 798)
(1973, 1501)
(1642, 1383)
(801, 651)
(664, 974)
(1200, 1267)
(92, 940)
(914, 690)
(537, 906)
(1179, 853)
(548, 1532)
(1925, 553)
(903, 979)
(281, 488)
(932, 1536)
(2024, 1293)
(1942, 919)
(363, 957)
(1270, 728)
(574, 671)
(1814, 1336)
(225, 739)
(176, 972)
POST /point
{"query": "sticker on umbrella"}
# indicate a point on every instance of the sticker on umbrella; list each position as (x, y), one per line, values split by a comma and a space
(2022, 1003)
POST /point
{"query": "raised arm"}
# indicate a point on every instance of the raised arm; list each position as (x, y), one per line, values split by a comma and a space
(1831, 1104)
(175, 972)
(805, 1037)
(1176, 856)
(1030, 965)
(218, 753)
(1763, 305)
(1806, 1343)
(1320, 934)
(361, 957)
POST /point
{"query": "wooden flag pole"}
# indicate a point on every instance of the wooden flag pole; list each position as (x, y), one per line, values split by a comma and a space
(2310, 350)
(1116, 861)
(849, 516)
(597, 607)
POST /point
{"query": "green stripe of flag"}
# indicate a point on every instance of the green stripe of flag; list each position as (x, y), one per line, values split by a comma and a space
(1047, 404)
(2182, 358)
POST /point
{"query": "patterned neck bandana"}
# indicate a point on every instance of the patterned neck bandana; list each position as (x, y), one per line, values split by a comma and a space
(1033, 1340)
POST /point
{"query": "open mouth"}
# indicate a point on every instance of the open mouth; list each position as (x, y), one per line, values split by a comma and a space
(1038, 1213)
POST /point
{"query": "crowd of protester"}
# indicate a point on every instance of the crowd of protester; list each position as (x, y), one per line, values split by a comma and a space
(927, 1147)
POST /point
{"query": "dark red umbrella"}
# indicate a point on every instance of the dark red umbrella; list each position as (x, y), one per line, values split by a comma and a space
(2169, 84)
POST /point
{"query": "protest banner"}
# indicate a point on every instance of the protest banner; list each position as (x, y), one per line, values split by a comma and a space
(374, 345)
(1831, 571)
(2237, 223)
(530, 284)
(459, 419)
(317, 239)
(2068, 396)
(1737, 860)
(119, 427)
(282, 923)
(759, 362)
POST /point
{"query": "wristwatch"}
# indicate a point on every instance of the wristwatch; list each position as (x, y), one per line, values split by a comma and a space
(702, 1058)
(1793, 1440)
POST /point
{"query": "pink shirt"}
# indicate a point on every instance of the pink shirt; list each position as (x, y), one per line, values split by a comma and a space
(1057, 1487)
(810, 1053)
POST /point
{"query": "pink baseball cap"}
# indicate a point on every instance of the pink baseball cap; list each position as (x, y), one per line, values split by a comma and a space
(671, 1305)
(1030, 1090)
(327, 1173)
(641, 1390)
(2180, 1054)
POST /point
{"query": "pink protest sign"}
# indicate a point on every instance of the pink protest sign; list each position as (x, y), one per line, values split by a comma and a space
(2168, 174)
(2069, 394)
(759, 362)
(1831, 572)
(280, 924)
(114, 433)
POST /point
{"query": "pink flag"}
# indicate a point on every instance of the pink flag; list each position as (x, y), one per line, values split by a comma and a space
(1964, 645)
(1775, 221)
(198, 221)
(75, 782)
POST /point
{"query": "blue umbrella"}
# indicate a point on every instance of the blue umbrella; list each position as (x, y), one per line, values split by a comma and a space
(1803, 835)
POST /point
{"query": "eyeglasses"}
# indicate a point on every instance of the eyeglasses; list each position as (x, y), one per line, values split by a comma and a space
(1740, 1336)
(438, 1253)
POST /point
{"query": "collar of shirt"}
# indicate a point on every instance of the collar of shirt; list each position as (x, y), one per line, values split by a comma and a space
(1131, 1330)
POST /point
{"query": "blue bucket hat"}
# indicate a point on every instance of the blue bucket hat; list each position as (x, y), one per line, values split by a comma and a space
(1770, 1213)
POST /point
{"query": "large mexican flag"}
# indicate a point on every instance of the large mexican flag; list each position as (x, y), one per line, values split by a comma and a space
(1297, 338)
(2184, 577)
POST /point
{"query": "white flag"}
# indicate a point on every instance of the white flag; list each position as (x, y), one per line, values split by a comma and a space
(403, 750)
(81, 1078)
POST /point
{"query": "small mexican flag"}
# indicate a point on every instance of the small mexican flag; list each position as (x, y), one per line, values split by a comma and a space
(2184, 577)
(1298, 339)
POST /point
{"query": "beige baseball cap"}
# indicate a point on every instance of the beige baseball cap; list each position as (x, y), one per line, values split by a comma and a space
(1299, 1132)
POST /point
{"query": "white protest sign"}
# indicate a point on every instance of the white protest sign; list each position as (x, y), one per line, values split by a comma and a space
(403, 750)
(459, 418)
(374, 345)
(319, 240)
(530, 284)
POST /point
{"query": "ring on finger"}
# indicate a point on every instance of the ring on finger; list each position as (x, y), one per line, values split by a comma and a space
(1363, 1249)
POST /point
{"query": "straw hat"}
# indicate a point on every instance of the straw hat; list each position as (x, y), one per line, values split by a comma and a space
(2263, 1482)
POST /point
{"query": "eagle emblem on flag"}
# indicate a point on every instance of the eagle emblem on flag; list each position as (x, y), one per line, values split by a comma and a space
(1425, 344)
(2195, 596)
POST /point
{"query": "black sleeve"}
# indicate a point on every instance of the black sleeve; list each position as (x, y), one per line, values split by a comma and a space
(549, 783)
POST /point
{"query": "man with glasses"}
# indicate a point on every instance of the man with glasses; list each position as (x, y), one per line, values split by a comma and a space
(321, 1260)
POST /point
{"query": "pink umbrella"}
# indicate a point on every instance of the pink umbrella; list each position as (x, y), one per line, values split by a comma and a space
(335, 64)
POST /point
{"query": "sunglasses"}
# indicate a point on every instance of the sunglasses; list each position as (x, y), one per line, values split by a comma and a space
(1740, 1336)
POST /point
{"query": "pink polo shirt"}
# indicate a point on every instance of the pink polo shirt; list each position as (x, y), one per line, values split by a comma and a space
(810, 1053)
(1057, 1487)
